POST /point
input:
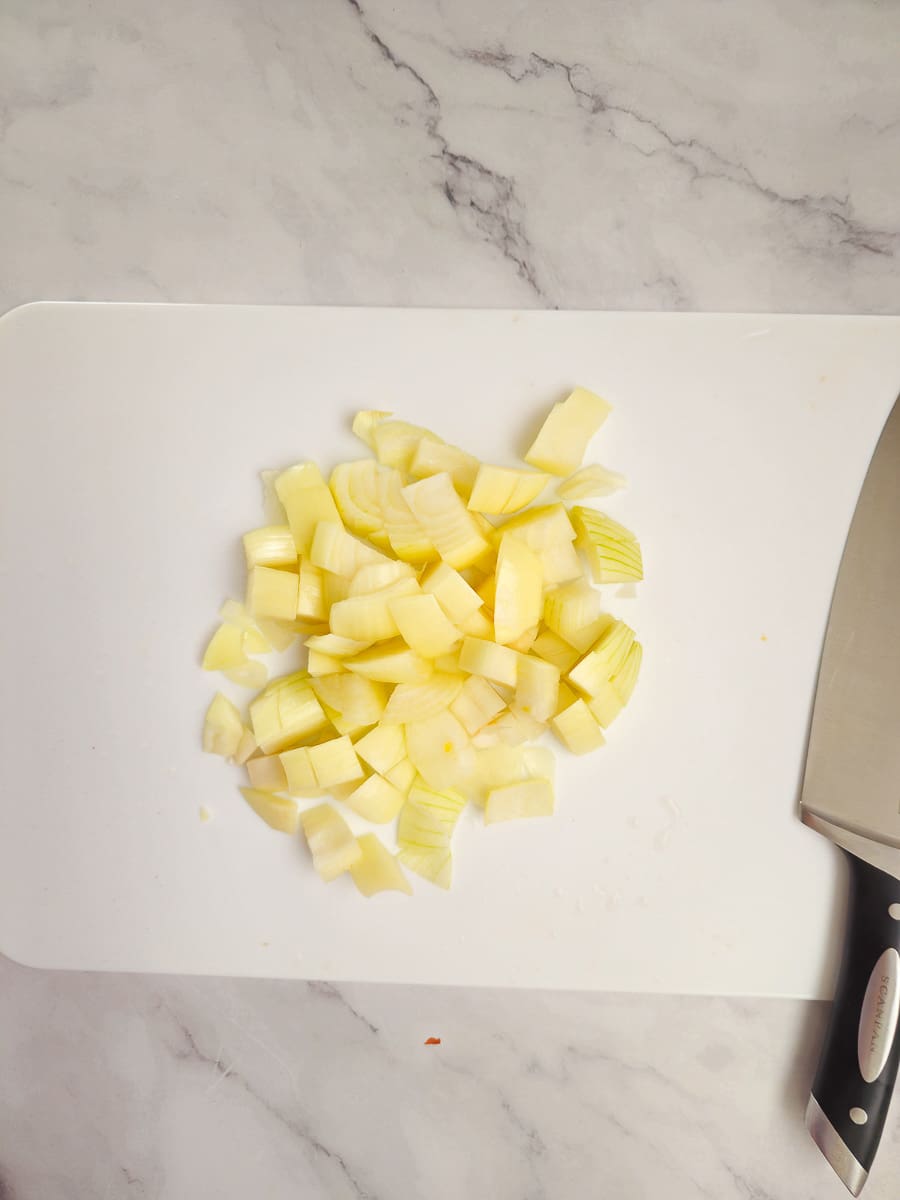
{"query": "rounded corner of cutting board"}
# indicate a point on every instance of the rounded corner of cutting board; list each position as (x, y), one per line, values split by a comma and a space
(13, 317)
(21, 958)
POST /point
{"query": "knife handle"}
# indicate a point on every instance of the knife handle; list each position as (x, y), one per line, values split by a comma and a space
(858, 1067)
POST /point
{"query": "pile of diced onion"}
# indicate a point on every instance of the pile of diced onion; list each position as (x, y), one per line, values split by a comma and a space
(447, 622)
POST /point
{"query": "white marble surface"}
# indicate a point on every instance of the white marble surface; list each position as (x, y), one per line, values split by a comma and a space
(650, 155)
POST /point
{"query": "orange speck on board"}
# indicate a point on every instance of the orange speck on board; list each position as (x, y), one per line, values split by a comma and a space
(432, 1041)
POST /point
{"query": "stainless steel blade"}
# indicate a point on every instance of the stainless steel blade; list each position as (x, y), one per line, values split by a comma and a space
(852, 777)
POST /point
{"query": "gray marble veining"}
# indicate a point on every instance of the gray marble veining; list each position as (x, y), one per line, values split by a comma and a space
(685, 155)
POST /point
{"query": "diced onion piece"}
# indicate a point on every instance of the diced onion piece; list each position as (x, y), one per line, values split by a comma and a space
(395, 442)
(432, 456)
(489, 532)
(368, 618)
(531, 798)
(627, 675)
(391, 662)
(585, 637)
(487, 589)
(345, 726)
(560, 564)
(277, 811)
(476, 705)
(273, 509)
(421, 828)
(255, 642)
(495, 662)
(234, 613)
(334, 646)
(448, 664)
(323, 664)
(603, 660)
(488, 738)
(505, 489)
(518, 601)
(605, 705)
(593, 480)
(432, 864)
(560, 445)
(423, 625)
(445, 805)
(341, 791)
(222, 727)
(566, 697)
(270, 546)
(364, 424)
(537, 687)
(360, 702)
(382, 747)
(406, 536)
(246, 746)
(335, 762)
(307, 501)
(524, 641)
(225, 649)
(456, 597)
(286, 712)
(374, 576)
(376, 799)
(553, 649)
(402, 776)
(337, 587)
(475, 576)
(610, 698)
(249, 674)
(418, 701)
(540, 762)
(612, 550)
(573, 612)
(423, 837)
(513, 728)
(424, 830)
(300, 777)
(377, 870)
(272, 593)
(267, 773)
(576, 728)
(311, 600)
(439, 749)
(446, 521)
(541, 528)
(354, 486)
(334, 848)
(478, 625)
(495, 766)
(280, 634)
(335, 550)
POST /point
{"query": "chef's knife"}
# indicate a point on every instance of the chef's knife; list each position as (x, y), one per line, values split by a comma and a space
(851, 794)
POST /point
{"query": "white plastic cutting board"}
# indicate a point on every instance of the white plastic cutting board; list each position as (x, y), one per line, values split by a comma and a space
(132, 439)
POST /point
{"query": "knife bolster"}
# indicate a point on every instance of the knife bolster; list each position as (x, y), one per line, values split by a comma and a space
(876, 854)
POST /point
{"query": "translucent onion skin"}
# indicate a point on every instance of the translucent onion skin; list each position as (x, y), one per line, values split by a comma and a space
(438, 618)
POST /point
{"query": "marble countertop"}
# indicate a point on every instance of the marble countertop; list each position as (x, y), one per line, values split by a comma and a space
(652, 155)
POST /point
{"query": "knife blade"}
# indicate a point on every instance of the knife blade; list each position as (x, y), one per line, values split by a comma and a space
(851, 794)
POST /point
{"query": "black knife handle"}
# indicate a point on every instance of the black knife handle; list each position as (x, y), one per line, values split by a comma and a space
(861, 1052)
